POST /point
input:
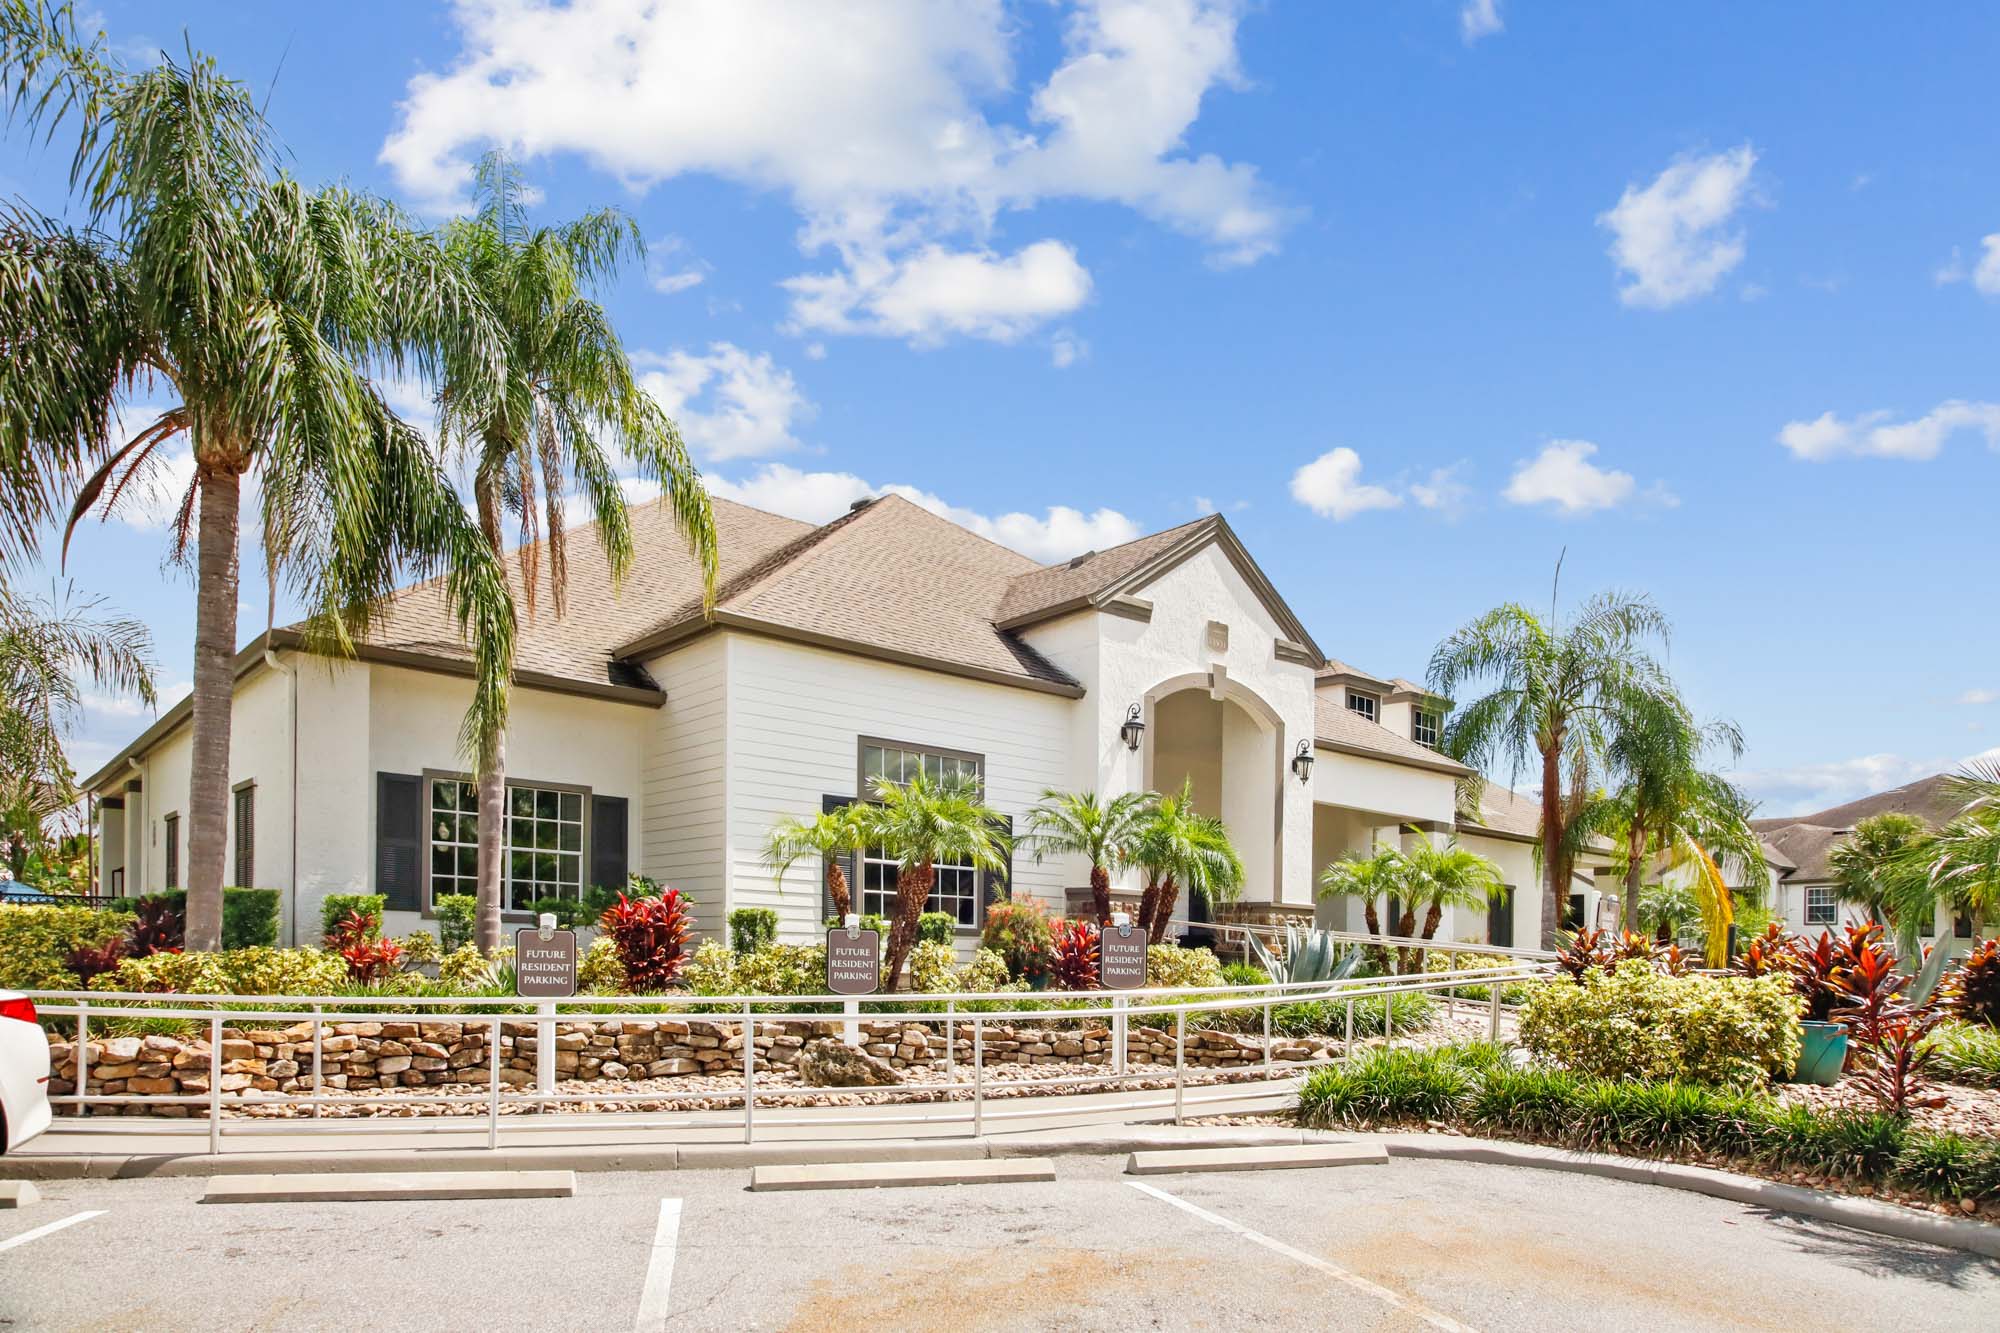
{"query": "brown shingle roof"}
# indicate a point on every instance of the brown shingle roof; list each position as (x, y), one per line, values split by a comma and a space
(580, 646)
(890, 578)
(1340, 728)
(1045, 589)
(1925, 798)
(1504, 810)
(1806, 847)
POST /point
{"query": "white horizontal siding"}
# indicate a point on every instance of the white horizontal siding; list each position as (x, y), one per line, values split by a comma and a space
(684, 778)
(796, 716)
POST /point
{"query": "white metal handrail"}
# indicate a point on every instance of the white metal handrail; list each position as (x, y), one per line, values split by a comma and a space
(1451, 948)
(1118, 1009)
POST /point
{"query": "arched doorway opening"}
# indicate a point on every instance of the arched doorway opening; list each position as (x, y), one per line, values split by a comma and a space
(1227, 745)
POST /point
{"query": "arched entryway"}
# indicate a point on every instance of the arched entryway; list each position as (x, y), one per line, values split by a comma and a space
(1227, 745)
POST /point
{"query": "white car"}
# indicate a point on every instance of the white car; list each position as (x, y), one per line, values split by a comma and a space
(24, 1072)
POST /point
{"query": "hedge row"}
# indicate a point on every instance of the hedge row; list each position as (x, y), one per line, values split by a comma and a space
(1477, 1089)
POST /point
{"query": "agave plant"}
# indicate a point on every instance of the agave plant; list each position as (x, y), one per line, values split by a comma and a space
(1310, 955)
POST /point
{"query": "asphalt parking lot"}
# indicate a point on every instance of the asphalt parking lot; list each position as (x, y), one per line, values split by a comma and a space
(1409, 1245)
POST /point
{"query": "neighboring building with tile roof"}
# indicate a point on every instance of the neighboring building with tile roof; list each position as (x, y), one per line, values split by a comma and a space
(655, 731)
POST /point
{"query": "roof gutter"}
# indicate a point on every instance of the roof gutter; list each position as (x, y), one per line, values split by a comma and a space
(1440, 765)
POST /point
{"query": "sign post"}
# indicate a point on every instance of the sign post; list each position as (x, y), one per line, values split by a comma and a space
(545, 970)
(853, 967)
(1121, 966)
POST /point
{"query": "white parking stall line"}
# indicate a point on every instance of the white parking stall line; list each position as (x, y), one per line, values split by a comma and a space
(660, 1269)
(1434, 1318)
(49, 1228)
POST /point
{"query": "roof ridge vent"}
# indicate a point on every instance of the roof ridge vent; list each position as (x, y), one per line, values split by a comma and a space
(1076, 561)
(861, 504)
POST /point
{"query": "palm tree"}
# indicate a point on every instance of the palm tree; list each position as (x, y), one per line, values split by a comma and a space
(826, 836)
(47, 650)
(1559, 694)
(1373, 878)
(1178, 847)
(918, 824)
(1667, 809)
(1078, 824)
(1440, 875)
(571, 405)
(1871, 869)
(1968, 848)
(263, 308)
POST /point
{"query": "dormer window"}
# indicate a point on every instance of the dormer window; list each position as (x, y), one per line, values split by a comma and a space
(1367, 705)
(1424, 727)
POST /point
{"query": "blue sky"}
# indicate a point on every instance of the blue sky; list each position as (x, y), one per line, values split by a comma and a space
(1419, 294)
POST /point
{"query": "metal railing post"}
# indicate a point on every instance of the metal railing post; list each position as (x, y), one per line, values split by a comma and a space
(1450, 992)
(749, 1074)
(545, 1052)
(1493, 1011)
(319, 1069)
(1180, 1063)
(493, 1085)
(215, 1084)
(978, 1075)
(82, 1057)
(1267, 1036)
(1388, 1019)
(950, 1046)
(1348, 1051)
(1120, 1031)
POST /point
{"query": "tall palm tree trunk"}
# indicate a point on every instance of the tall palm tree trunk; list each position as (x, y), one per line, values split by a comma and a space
(836, 888)
(1100, 893)
(1555, 889)
(913, 891)
(1635, 851)
(493, 756)
(1163, 910)
(214, 687)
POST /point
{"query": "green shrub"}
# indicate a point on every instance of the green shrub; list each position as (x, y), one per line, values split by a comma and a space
(937, 927)
(778, 969)
(751, 928)
(1671, 1118)
(1245, 974)
(36, 942)
(335, 907)
(1535, 1103)
(1389, 1085)
(1636, 1023)
(176, 973)
(261, 971)
(1171, 965)
(1410, 1011)
(249, 918)
(1942, 1164)
(987, 972)
(465, 969)
(933, 967)
(1855, 1144)
(1019, 932)
(599, 971)
(568, 912)
(419, 947)
(1967, 1053)
(711, 969)
(874, 921)
(457, 918)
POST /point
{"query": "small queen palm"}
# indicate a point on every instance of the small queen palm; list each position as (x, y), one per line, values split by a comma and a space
(828, 836)
(1104, 832)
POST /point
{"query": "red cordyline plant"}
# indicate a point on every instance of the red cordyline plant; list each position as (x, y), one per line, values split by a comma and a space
(1578, 953)
(650, 935)
(156, 928)
(1764, 954)
(1073, 955)
(94, 960)
(1869, 993)
(1894, 1071)
(1587, 950)
(368, 958)
(1975, 991)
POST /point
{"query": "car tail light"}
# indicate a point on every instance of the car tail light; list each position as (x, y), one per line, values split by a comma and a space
(20, 1007)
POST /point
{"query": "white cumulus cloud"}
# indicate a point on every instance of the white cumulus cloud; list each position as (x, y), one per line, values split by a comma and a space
(1443, 489)
(1979, 696)
(1331, 487)
(1984, 275)
(1879, 435)
(1671, 239)
(817, 497)
(935, 293)
(1562, 475)
(728, 403)
(874, 119)
(1479, 18)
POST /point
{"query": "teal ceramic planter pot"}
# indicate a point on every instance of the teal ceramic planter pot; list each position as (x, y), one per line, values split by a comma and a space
(1822, 1052)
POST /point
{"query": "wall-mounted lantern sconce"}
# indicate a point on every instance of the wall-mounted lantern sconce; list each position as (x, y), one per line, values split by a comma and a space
(1302, 762)
(1133, 729)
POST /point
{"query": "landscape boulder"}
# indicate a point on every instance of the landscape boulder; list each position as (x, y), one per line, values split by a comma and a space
(827, 1063)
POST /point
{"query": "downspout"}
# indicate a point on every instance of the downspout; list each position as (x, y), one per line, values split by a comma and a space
(292, 881)
(135, 882)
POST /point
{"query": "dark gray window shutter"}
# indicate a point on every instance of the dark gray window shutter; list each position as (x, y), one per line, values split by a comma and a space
(399, 830)
(1500, 922)
(827, 805)
(609, 864)
(246, 838)
(173, 851)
